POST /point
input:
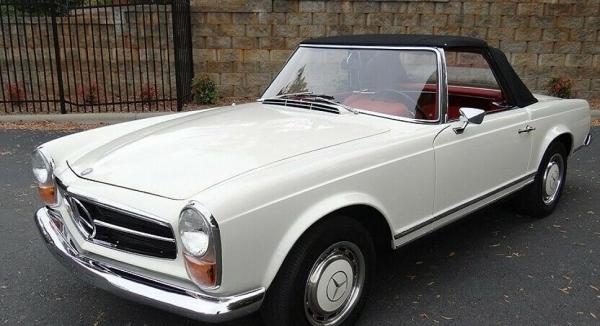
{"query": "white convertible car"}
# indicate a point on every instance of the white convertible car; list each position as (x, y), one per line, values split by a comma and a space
(361, 143)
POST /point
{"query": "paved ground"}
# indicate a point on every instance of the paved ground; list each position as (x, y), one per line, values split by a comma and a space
(494, 267)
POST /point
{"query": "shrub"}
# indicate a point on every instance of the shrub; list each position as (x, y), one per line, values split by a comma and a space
(149, 93)
(204, 90)
(15, 93)
(560, 87)
(90, 94)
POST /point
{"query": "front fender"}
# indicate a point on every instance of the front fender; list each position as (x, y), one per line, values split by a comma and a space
(309, 217)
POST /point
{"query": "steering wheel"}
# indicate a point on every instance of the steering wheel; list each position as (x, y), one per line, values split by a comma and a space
(409, 99)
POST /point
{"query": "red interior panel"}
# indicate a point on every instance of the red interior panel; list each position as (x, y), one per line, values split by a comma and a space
(458, 96)
(385, 107)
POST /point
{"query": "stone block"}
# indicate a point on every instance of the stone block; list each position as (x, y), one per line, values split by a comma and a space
(312, 31)
(380, 19)
(232, 78)
(552, 60)
(271, 43)
(254, 55)
(325, 19)
(285, 30)
(312, 6)
(299, 18)
(245, 42)
(420, 7)
(229, 55)
(578, 60)
(258, 30)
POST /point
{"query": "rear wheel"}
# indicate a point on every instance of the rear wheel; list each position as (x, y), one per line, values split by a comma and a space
(540, 198)
(324, 279)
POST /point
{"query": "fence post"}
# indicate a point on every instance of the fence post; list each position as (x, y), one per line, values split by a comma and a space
(182, 41)
(61, 89)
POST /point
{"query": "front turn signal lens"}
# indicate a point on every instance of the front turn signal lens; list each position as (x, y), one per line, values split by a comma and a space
(202, 272)
(48, 194)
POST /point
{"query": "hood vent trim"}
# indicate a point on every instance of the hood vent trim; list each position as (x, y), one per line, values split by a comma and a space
(310, 105)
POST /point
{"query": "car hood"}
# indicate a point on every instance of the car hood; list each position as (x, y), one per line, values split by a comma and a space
(183, 156)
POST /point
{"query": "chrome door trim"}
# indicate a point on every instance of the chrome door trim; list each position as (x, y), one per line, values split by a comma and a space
(527, 178)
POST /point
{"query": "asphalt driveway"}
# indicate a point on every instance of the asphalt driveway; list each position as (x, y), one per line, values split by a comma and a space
(494, 267)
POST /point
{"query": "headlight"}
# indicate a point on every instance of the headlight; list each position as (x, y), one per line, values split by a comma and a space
(42, 169)
(199, 234)
(42, 172)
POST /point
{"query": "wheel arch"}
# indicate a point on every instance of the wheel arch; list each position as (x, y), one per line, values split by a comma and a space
(559, 133)
(364, 208)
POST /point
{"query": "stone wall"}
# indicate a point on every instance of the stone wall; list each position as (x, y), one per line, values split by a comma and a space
(243, 44)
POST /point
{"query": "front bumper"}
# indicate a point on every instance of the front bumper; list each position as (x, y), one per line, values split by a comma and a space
(140, 288)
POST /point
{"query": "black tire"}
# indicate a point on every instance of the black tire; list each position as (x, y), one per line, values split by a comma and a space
(532, 200)
(285, 300)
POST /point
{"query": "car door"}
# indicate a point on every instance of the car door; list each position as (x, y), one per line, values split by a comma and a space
(484, 159)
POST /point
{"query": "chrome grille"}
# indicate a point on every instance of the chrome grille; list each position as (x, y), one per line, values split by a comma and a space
(118, 229)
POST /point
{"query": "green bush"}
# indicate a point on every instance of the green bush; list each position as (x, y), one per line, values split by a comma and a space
(204, 90)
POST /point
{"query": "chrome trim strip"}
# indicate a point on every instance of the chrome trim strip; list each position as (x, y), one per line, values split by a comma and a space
(76, 193)
(442, 87)
(126, 230)
(463, 206)
(143, 289)
(127, 210)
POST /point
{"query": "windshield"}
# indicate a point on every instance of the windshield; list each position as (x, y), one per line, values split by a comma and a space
(400, 83)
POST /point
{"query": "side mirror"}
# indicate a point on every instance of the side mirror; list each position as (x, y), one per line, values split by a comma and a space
(469, 115)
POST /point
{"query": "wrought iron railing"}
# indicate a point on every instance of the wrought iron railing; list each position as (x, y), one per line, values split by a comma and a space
(94, 55)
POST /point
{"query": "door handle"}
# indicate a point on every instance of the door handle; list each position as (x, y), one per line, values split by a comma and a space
(528, 128)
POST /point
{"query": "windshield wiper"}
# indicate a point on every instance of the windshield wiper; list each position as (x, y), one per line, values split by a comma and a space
(318, 97)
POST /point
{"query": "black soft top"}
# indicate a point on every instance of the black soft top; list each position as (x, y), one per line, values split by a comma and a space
(514, 89)
(440, 41)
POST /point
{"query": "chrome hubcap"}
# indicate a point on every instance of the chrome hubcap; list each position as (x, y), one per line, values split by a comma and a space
(334, 284)
(553, 177)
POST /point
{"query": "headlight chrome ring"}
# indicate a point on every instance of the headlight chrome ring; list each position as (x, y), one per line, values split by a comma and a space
(201, 243)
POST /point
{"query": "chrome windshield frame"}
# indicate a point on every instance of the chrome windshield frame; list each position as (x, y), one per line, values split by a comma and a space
(442, 88)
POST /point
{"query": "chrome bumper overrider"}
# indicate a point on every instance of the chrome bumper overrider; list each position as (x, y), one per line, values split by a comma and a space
(139, 288)
(586, 142)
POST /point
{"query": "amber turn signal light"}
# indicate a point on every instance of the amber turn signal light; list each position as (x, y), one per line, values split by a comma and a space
(203, 272)
(47, 194)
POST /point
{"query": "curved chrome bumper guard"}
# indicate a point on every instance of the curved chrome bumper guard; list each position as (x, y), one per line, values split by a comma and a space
(586, 142)
(142, 289)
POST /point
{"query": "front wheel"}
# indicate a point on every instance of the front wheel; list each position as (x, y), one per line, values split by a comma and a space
(324, 279)
(540, 198)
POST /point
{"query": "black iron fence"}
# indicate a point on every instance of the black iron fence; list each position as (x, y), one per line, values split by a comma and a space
(94, 55)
